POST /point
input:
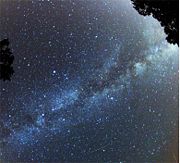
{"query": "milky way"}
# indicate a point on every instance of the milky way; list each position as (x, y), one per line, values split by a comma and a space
(94, 81)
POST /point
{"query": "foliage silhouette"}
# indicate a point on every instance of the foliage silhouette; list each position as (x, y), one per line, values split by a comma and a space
(6, 61)
(166, 12)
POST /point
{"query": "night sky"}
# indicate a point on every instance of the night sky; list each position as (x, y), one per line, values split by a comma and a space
(94, 82)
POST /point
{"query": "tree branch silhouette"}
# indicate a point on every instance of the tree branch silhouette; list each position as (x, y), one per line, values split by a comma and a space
(6, 61)
(166, 12)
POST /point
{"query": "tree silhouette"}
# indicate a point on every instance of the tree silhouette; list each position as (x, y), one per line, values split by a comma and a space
(6, 60)
(165, 11)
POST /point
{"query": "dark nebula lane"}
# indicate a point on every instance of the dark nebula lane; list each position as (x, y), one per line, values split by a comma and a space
(94, 82)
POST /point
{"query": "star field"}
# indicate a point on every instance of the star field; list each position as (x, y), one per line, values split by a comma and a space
(94, 82)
